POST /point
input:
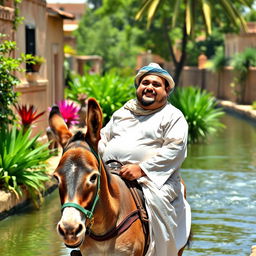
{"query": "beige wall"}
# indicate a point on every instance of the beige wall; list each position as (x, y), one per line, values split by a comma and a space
(47, 89)
(219, 83)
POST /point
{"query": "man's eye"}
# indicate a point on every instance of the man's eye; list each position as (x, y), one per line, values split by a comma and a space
(145, 83)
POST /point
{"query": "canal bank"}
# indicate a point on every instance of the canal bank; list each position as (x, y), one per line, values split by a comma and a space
(244, 111)
(10, 203)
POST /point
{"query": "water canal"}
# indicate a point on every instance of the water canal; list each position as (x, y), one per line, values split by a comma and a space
(221, 181)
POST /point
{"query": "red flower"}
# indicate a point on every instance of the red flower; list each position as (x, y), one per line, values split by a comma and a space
(28, 114)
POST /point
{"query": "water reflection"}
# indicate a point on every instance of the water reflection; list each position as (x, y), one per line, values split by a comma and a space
(221, 182)
(33, 232)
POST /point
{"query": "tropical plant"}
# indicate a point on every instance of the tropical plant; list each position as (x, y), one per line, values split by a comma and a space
(241, 63)
(69, 112)
(21, 164)
(28, 115)
(190, 16)
(110, 90)
(199, 109)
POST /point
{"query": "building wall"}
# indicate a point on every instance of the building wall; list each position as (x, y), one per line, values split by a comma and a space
(219, 83)
(6, 17)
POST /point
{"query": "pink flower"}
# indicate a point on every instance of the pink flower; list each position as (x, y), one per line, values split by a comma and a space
(69, 112)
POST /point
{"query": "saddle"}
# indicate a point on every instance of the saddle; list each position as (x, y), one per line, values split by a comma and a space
(114, 167)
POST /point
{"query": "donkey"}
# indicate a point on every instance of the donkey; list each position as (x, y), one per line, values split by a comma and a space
(99, 214)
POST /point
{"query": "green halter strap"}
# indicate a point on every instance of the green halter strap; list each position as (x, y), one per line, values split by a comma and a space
(88, 214)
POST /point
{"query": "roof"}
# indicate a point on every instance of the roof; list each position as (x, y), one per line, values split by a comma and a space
(62, 14)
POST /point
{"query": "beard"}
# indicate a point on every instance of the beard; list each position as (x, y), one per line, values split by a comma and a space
(144, 100)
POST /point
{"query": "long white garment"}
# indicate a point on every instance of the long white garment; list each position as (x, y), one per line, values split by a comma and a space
(156, 142)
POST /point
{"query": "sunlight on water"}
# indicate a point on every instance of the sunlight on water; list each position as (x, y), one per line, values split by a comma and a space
(221, 182)
(221, 185)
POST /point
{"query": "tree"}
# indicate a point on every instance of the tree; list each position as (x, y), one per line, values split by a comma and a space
(111, 36)
(191, 16)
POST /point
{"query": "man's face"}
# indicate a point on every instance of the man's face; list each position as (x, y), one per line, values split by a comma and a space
(151, 92)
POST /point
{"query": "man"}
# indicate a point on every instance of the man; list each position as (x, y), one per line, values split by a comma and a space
(149, 136)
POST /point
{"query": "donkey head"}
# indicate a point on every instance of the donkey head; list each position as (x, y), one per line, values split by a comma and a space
(78, 173)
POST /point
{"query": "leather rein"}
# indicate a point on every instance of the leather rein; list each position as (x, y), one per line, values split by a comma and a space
(115, 231)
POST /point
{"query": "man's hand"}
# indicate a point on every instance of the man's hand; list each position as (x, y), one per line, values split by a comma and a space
(131, 171)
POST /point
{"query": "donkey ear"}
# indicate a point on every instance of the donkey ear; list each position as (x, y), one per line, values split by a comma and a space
(94, 123)
(59, 126)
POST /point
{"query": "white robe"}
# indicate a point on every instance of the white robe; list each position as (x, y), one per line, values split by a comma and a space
(156, 142)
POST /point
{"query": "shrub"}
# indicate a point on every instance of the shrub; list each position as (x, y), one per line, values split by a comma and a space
(110, 90)
(22, 161)
(241, 64)
(199, 109)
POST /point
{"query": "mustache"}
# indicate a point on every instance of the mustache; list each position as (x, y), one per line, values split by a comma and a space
(148, 90)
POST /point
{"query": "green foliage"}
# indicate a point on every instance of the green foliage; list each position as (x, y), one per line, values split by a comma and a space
(112, 37)
(241, 63)
(22, 161)
(199, 109)
(219, 61)
(110, 90)
(8, 65)
(254, 105)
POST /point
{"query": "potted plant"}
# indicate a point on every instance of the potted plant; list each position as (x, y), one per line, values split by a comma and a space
(34, 63)
(37, 62)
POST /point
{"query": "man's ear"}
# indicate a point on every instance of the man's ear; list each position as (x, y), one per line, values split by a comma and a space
(59, 126)
(94, 123)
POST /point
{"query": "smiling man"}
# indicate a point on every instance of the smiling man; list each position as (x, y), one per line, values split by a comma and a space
(149, 136)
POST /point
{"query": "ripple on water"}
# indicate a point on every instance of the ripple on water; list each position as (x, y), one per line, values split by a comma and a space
(223, 211)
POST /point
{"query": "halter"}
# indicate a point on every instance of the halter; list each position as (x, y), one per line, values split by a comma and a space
(88, 213)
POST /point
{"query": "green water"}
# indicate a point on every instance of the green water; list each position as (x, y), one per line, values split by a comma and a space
(221, 184)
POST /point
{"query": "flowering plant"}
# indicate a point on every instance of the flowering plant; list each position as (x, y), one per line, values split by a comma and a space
(28, 114)
(69, 112)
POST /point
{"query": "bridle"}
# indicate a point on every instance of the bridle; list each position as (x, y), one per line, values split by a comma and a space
(88, 213)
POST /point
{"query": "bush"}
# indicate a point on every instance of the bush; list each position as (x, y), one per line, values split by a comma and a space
(241, 64)
(199, 109)
(110, 90)
(22, 161)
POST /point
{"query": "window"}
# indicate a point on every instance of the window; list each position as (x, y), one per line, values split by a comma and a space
(30, 43)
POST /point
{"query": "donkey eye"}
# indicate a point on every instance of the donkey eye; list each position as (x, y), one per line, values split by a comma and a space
(93, 178)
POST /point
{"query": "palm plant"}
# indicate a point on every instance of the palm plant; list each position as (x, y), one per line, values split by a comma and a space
(110, 90)
(188, 14)
(199, 109)
(28, 115)
(21, 164)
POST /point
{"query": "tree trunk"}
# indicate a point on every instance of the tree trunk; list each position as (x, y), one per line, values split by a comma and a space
(178, 64)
